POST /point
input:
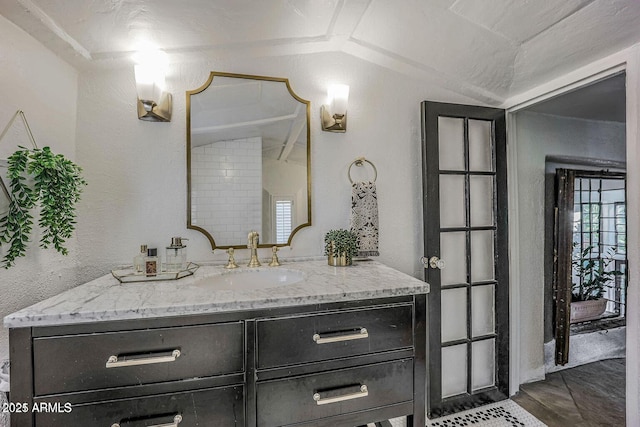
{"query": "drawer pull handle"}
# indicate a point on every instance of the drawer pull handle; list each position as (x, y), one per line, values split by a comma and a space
(113, 361)
(363, 392)
(362, 333)
(177, 419)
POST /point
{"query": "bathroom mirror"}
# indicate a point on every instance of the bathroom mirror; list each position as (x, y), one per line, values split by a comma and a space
(248, 160)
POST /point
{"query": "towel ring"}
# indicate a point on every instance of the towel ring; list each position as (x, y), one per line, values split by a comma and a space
(360, 162)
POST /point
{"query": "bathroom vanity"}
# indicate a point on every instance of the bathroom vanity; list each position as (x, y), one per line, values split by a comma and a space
(330, 347)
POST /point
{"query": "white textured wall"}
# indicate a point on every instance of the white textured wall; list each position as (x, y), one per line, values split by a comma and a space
(539, 135)
(34, 80)
(137, 169)
(633, 238)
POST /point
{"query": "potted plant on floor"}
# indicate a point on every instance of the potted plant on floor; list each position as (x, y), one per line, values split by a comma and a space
(594, 277)
(340, 246)
(39, 178)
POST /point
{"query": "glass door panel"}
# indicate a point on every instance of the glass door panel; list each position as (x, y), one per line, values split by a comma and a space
(452, 206)
(482, 310)
(451, 143)
(453, 247)
(481, 195)
(483, 364)
(480, 146)
(454, 302)
(454, 370)
(482, 256)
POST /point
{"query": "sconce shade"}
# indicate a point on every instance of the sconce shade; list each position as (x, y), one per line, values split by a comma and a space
(149, 81)
(154, 104)
(338, 98)
(334, 115)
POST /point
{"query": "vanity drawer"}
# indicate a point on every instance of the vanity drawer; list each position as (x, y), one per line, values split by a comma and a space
(312, 397)
(220, 407)
(113, 359)
(317, 337)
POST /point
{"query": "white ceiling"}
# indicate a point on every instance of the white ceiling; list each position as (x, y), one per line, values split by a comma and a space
(488, 50)
(604, 100)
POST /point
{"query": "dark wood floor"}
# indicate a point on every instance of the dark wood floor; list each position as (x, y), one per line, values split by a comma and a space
(586, 396)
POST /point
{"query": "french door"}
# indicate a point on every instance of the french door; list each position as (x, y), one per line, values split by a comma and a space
(466, 255)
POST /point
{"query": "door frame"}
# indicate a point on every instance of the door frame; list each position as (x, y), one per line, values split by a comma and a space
(564, 238)
(628, 61)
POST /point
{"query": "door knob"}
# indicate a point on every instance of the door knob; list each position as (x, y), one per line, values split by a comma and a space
(433, 262)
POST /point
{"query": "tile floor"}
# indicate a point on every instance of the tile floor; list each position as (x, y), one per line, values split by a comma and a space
(585, 396)
(500, 414)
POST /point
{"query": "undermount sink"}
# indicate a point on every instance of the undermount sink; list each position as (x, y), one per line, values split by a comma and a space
(251, 279)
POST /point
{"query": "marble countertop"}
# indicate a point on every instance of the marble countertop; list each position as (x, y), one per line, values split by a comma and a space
(105, 299)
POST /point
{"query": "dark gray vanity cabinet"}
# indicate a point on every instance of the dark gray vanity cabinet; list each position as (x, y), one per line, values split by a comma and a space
(74, 363)
(221, 406)
(318, 398)
(323, 336)
(338, 364)
(161, 372)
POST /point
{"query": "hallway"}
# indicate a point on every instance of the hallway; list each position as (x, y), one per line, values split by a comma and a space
(585, 396)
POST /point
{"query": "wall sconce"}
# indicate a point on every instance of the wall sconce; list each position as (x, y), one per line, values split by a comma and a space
(154, 104)
(334, 115)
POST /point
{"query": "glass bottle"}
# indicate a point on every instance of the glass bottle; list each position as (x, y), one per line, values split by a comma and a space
(176, 255)
(152, 264)
(138, 260)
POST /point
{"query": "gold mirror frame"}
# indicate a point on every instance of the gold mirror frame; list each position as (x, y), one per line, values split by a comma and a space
(206, 85)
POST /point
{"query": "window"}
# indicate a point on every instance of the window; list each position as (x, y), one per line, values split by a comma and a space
(590, 224)
(283, 215)
(599, 226)
(621, 227)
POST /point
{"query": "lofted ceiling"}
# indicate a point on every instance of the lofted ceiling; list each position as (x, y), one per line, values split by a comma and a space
(487, 50)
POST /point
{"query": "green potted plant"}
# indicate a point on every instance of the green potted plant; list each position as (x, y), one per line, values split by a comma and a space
(340, 246)
(38, 177)
(594, 276)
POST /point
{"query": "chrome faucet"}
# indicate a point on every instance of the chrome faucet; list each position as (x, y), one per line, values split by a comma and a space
(253, 239)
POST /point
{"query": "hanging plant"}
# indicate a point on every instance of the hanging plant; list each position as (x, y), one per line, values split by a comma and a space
(38, 177)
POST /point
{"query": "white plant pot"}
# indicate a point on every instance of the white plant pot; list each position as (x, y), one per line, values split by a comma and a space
(582, 311)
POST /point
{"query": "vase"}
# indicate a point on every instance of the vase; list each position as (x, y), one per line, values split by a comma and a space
(582, 311)
(338, 260)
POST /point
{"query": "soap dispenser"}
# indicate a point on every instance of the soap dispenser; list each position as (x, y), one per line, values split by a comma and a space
(176, 255)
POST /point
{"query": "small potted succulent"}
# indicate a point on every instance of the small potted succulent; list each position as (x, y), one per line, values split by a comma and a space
(340, 246)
